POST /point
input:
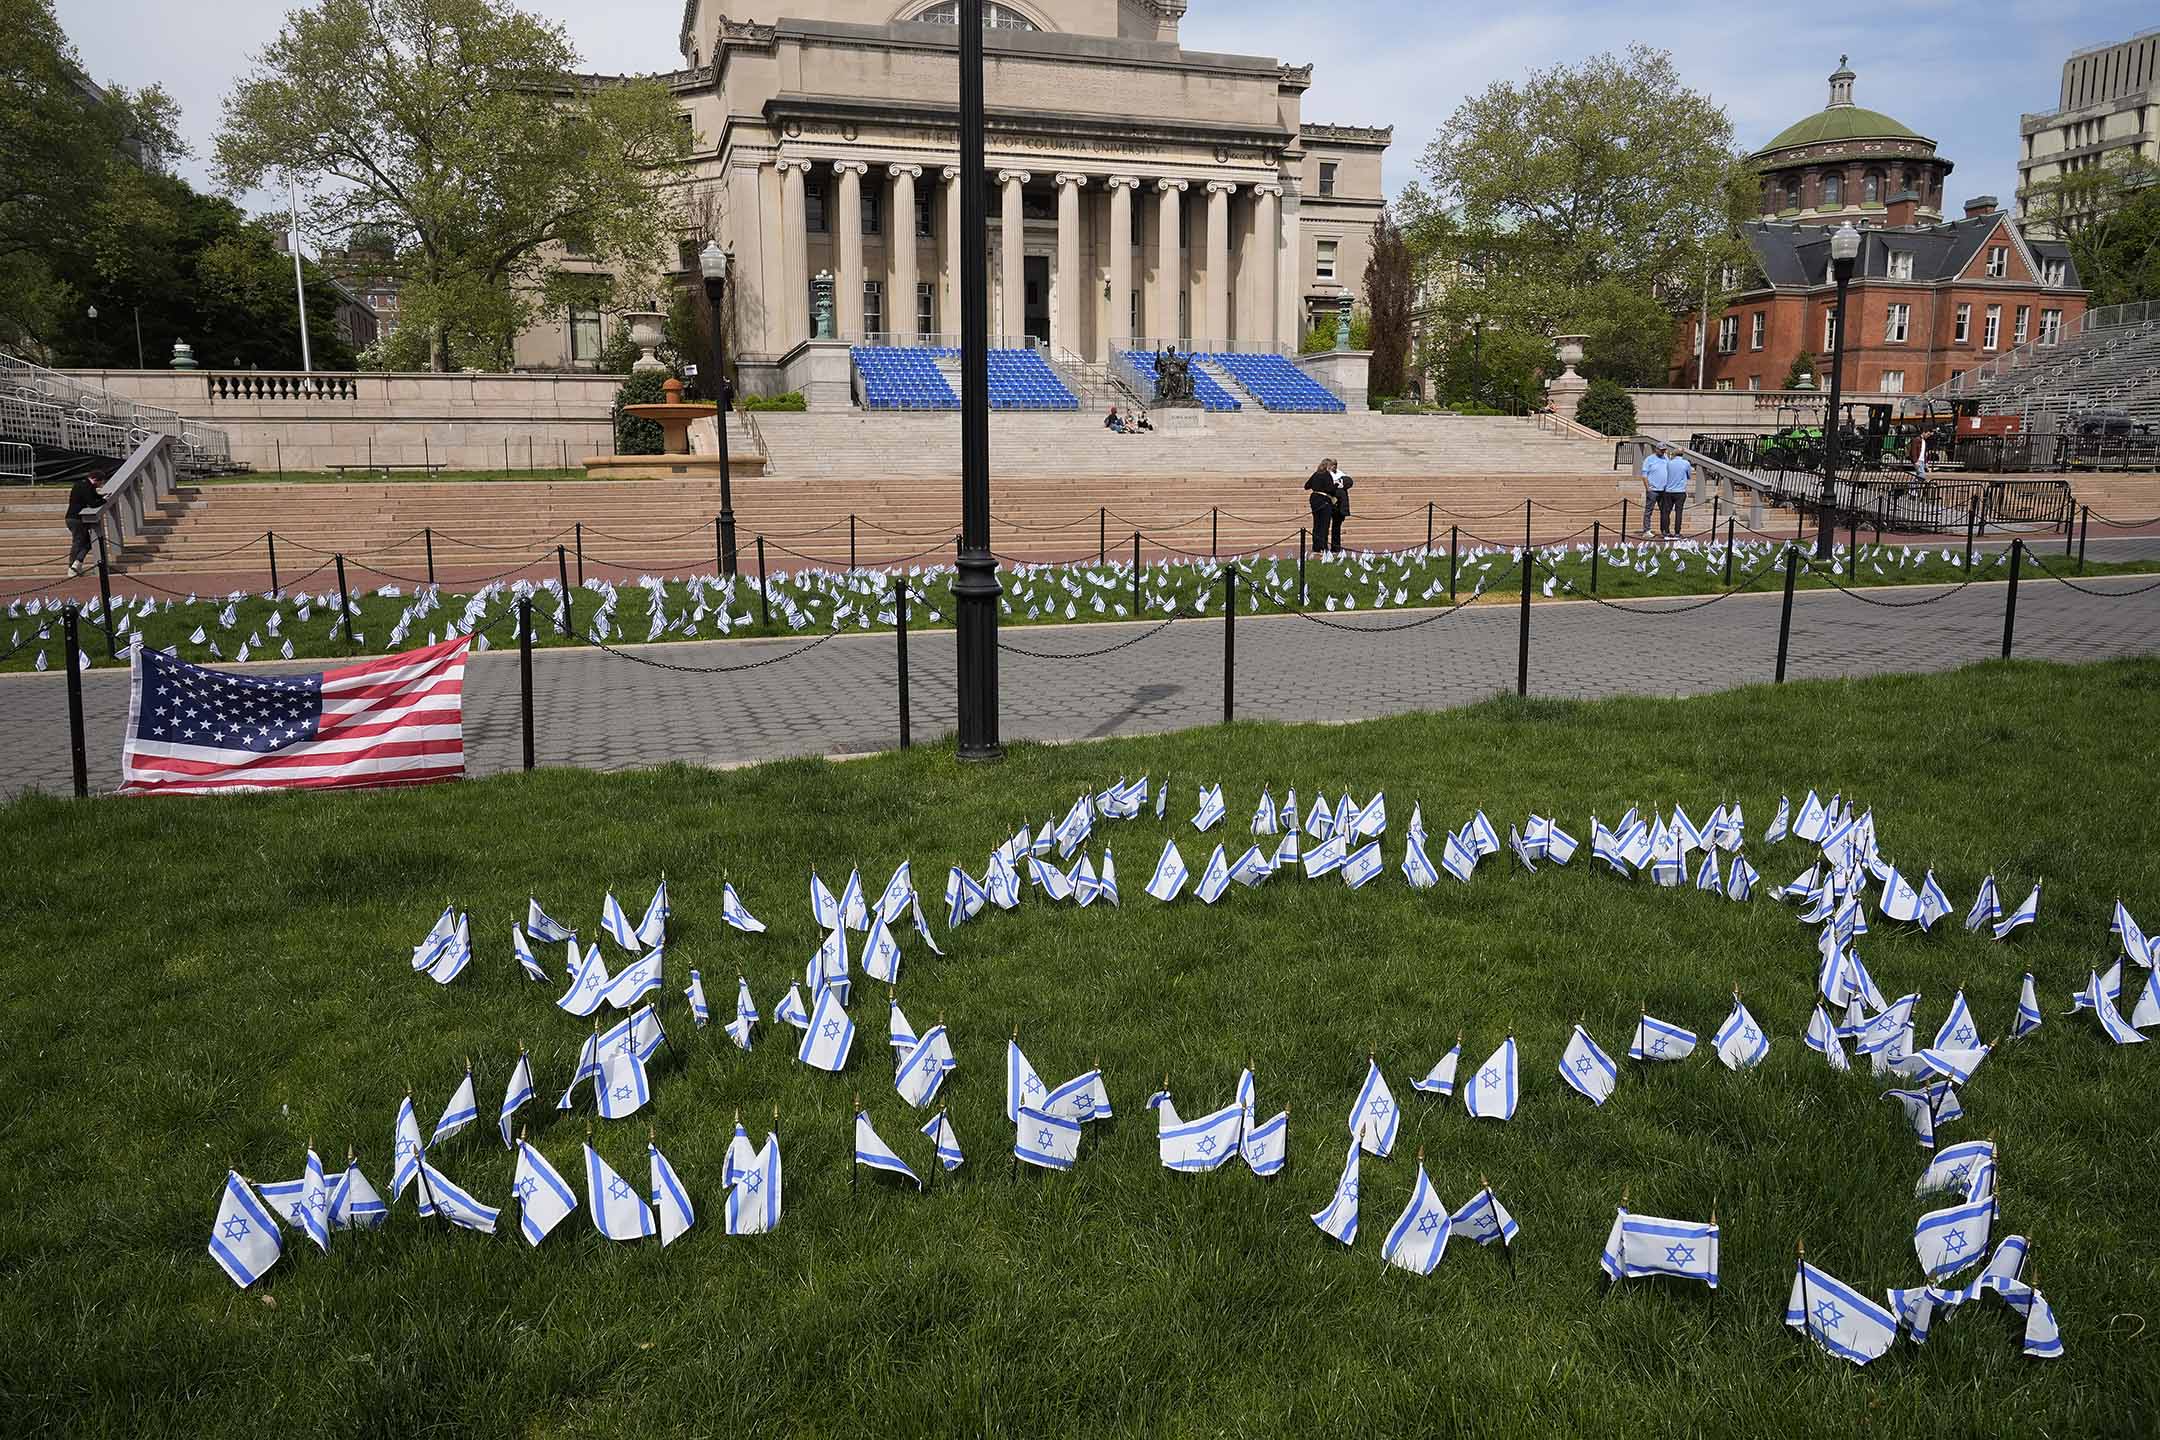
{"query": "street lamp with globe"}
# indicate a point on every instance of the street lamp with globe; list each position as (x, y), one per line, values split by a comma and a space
(713, 265)
(1844, 252)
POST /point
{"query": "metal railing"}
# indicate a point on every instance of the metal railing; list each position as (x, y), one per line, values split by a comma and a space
(18, 462)
(203, 447)
(2108, 317)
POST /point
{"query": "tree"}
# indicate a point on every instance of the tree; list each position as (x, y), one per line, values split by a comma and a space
(1804, 369)
(1390, 291)
(1607, 409)
(457, 131)
(2111, 214)
(1589, 200)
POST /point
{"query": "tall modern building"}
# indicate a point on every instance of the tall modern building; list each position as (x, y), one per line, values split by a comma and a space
(2109, 110)
(1136, 188)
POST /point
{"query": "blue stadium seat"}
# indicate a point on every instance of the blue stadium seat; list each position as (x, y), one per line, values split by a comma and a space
(1277, 383)
(896, 377)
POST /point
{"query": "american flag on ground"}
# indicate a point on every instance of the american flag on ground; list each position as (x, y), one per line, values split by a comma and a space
(395, 720)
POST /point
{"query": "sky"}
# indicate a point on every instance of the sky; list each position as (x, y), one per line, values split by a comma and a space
(1958, 72)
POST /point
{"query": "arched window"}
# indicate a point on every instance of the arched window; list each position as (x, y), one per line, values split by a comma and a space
(995, 16)
(1792, 194)
(1871, 189)
(1833, 190)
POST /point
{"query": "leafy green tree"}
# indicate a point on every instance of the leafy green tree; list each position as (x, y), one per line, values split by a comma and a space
(2111, 214)
(457, 130)
(1607, 408)
(1804, 368)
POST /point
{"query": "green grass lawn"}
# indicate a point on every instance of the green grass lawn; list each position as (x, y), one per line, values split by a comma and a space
(1035, 594)
(192, 985)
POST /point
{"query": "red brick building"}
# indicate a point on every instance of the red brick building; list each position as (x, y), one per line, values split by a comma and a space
(1930, 298)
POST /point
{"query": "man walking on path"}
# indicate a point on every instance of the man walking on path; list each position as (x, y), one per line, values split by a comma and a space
(83, 500)
(1653, 480)
(1672, 494)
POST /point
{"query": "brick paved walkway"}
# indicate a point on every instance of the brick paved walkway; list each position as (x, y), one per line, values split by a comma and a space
(599, 711)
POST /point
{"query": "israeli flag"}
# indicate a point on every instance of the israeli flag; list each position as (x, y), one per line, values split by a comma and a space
(1362, 864)
(746, 1015)
(1327, 857)
(1919, 1108)
(454, 1204)
(1372, 820)
(1885, 1029)
(828, 968)
(461, 1112)
(1170, 873)
(1265, 1146)
(543, 929)
(1780, 823)
(2043, 1338)
(1668, 862)
(652, 930)
(1950, 1239)
(898, 895)
(872, 1152)
(1839, 1318)
(1957, 1168)
(355, 1204)
(544, 1197)
(1415, 829)
(634, 984)
(881, 954)
(522, 948)
(2135, 946)
(741, 1157)
(1655, 1039)
(1214, 879)
(1287, 852)
(618, 1211)
(2028, 1012)
(1822, 1034)
(1811, 824)
(1957, 1031)
(2147, 1010)
(1339, 1219)
(923, 1069)
(899, 1030)
(1521, 851)
(1319, 820)
(588, 1068)
(1346, 817)
(830, 1034)
(1740, 1042)
(1417, 866)
(1484, 1219)
(1553, 843)
(754, 1199)
(1492, 1092)
(588, 986)
(2027, 912)
(1162, 798)
(1078, 824)
(1250, 868)
(1587, 1069)
(1638, 841)
(617, 925)
(940, 1131)
(2101, 1001)
(2110, 984)
(455, 956)
(1049, 1141)
(1375, 1117)
(1457, 858)
(1986, 906)
(1263, 820)
(1480, 836)
(823, 907)
(1801, 887)
(1741, 878)
(1202, 1144)
(1419, 1236)
(1605, 846)
(1684, 832)
(1440, 1080)
(1211, 809)
(1023, 1087)
(964, 899)
(854, 909)
(516, 1095)
(624, 1086)
(1639, 1245)
(437, 942)
(1083, 1098)
(1899, 900)
(1707, 877)
(737, 914)
(407, 1150)
(1003, 886)
(244, 1240)
(308, 1199)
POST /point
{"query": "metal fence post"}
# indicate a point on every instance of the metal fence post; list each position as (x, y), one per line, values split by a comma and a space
(73, 661)
(1214, 530)
(562, 576)
(1784, 628)
(1597, 533)
(2017, 558)
(1229, 642)
(900, 634)
(851, 542)
(1522, 648)
(1728, 548)
(1102, 535)
(1454, 546)
(429, 532)
(344, 598)
(1303, 598)
(525, 676)
(579, 537)
(104, 588)
(1428, 526)
(2084, 527)
(270, 537)
(2070, 533)
(764, 598)
(719, 555)
(1623, 519)
(1136, 574)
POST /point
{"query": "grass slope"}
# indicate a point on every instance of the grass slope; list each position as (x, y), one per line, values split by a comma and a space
(192, 985)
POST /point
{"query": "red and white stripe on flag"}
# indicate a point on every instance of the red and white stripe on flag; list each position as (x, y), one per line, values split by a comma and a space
(393, 720)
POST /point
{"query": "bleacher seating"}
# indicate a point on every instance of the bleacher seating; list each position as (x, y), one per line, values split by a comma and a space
(2115, 368)
(1278, 384)
(898, 377)
(1206, 389)
(1023, 380)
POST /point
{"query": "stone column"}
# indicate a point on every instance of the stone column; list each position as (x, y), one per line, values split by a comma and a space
(1069, 292)
(1012, 257)
(794, 309)
(948, 316)
(1267, 242)
(1169, 269)
(900, 305)
(1121, 255)
(1218, 266)
(847, 227)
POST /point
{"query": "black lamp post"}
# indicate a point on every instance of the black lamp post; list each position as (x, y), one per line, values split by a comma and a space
(975, 587)
(713, 262)
(1844, 250)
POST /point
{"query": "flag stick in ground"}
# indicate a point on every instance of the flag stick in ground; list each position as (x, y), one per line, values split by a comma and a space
(852, 1166)
(1807, 1305)
(1506, 1248)
(1612, 1281)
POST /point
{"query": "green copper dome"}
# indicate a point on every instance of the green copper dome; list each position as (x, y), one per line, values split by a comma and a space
(1841, 122)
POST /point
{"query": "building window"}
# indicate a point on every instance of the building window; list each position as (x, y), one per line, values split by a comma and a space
(685, 130)
(1897, 324)
(813, 195)
(1755, 331)
(2050, 327)
(1723, 385)
(1901, 264)
(1963, 333)
(2024, 325)
(995, 17)
(2053, 273)
(1998, 260)
(923, 230)
(1754, 382)
(1324, 260)
(1728, 277)
(584, 336)
(1728, 334)
(1829, 330)
(1792, 194)
(1833, 191)
(1327, 177)
(925, 308)
(873, 204)
(1871, 189)
(1893, 382)
(1698, 334)
(1991, 331)
(873, 307)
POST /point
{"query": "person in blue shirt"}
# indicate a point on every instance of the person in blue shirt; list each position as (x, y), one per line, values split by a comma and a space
(1653, 480)
(1673, 494)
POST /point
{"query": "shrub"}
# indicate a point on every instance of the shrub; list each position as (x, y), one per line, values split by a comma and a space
(792, 400)
(1607, 409)
(635, 435)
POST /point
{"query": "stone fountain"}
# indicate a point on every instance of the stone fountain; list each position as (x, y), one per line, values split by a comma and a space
(689, 442)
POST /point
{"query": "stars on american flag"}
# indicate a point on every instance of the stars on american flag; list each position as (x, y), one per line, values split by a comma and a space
(189, 705)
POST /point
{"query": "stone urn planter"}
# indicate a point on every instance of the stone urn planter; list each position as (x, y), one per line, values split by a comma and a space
(648, 331)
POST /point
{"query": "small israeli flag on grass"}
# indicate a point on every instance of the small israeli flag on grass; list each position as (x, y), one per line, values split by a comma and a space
(854, 908)
(1252, 867)
(1197, 1145)
(898, 895)
(437, 941)
(244, 1240)
(516, 1095)
(616, 925)
(618, 1211)
(544, 1197)
(1956, 1168)
(737, 914)
(1214, 879)
(1362, 865)
(543, 929)
(1521, 851)
(1339, 1219)
(1639, 1245)
(829, 1035)
(824, 909)
(454, 1203)
(1934, 905)
(634, 982)
(1440, 1080)
(2098, 998)
(1419, 1236)
(407, 1148)
(1170, 873)
(924, 1068)
(694, 992)
(1049, 1141)
(2027, 911)
(1588, 1069)
(588, 986)
(2135, 946)
(1986, 906)
(881, 954)
(1811, 824)
(964, 899)
(652, 930)
(1417, 866)
(461, 1112)
(1741, 878)
(2028, 1012)
(1492, 1092)
(1084, 1098)
(1265, 1146)
(1655, 1039)
(1211, 808)
(522, 948)
(940, 1130)
(1740, 1042)
(754, 1199)
(1837, 1317)
(624, 1087)
(1780, 823)
(1484, 1219)
(873, 1153)
(1952, 1238)
(1023, 1087)
(1375, 1117)
(1458, 859)
(746, 1015)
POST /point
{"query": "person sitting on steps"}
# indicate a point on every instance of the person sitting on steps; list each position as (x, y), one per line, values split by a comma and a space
(1113, 421)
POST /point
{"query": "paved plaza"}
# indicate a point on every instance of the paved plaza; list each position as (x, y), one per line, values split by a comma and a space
(600, 711)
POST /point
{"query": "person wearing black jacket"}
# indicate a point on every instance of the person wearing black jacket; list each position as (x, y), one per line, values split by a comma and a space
(1342, 506)
(82, 497)
(1323, 493)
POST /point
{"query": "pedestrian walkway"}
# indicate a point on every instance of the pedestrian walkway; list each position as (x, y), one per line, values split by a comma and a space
(599, 711)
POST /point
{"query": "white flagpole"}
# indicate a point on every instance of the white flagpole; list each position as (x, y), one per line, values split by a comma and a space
(292, 191)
